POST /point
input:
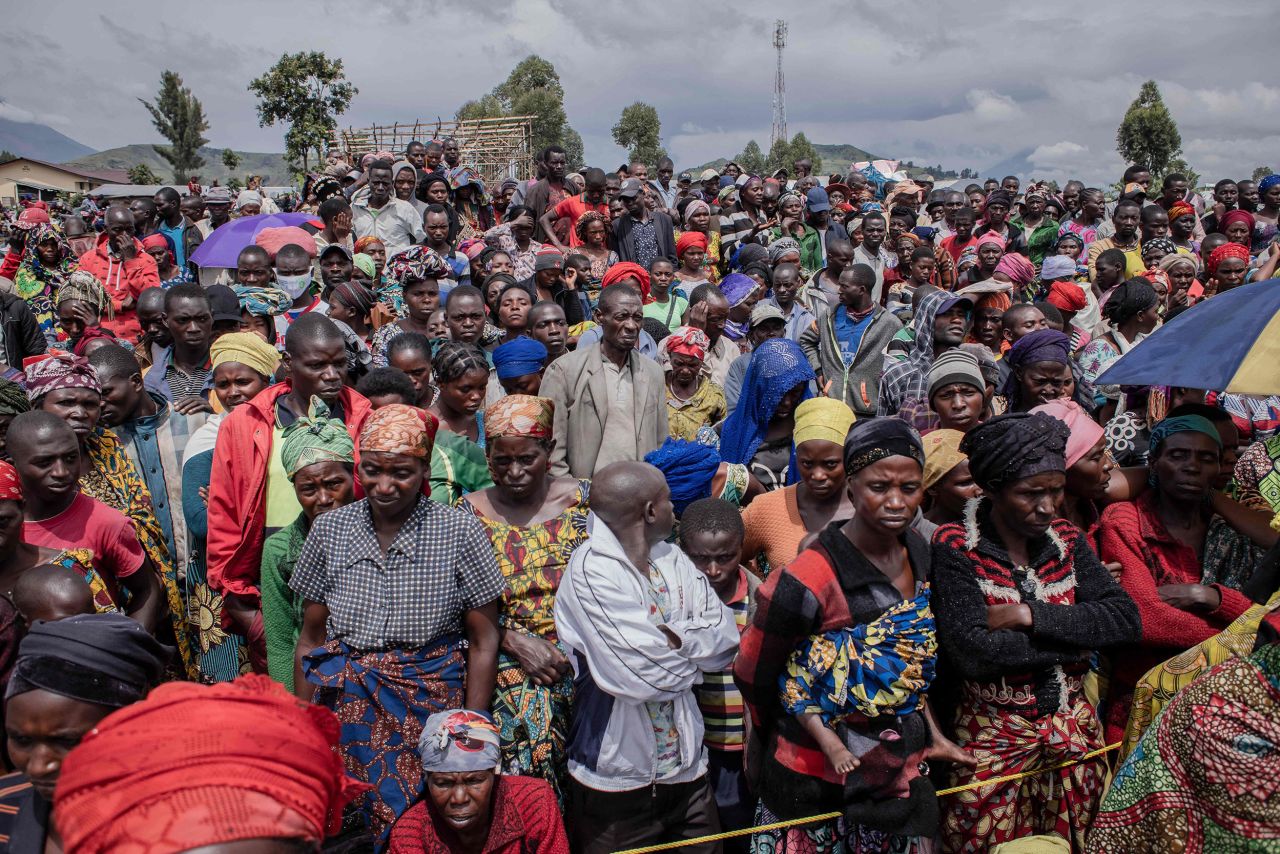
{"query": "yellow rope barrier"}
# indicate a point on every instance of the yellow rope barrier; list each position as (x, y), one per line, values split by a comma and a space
(778, 825)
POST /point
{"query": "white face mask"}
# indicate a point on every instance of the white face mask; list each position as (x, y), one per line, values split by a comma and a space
(294, 286)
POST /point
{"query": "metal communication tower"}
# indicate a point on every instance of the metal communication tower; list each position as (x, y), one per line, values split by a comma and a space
(779, 87)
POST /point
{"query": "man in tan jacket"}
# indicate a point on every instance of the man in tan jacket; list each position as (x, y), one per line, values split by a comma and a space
(610, 400)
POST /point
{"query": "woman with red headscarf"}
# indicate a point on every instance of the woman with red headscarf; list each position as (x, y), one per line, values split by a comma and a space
(145, 780)
(159, 248)
(1227, 265)
(691, 250)
(693, 400)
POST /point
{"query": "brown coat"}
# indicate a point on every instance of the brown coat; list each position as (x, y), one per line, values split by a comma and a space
(576, 383)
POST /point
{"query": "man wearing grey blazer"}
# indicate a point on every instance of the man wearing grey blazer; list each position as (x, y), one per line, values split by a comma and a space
(611, 402)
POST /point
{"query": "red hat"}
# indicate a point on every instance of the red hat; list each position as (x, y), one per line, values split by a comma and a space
(1066, 296)
(31, 217)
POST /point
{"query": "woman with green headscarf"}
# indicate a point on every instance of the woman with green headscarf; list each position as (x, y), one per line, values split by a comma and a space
(1158, 540)
(319, 459)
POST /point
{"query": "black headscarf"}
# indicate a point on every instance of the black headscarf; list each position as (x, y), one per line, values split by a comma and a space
(108, 659)
(1014, 446)
(1128, 299)
(875, 439)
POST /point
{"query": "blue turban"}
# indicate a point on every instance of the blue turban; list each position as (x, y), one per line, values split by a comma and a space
(776, 366)
(689, 468)
(1268, 182)
(519, 357)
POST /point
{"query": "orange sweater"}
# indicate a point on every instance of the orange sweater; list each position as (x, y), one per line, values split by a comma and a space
(773, 527)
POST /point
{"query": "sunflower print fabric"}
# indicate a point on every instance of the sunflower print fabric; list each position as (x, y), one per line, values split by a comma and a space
(883, 667)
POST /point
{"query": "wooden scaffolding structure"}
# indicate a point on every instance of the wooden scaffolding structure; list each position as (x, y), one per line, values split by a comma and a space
(496, 148)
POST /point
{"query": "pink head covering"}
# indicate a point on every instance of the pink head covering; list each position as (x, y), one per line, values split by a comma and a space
(1019, 269)
(1085, 432)
(991, 237)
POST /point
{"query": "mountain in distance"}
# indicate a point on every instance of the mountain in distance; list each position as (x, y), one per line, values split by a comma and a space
(271, 166)
(836, 158)
(39, 142)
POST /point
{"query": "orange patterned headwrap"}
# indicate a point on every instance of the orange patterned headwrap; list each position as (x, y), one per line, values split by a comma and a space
(145, 780)
(400, 429)
(520, 415)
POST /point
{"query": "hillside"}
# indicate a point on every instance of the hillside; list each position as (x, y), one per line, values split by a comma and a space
(39, 142)
(836, 158)
(271, 167)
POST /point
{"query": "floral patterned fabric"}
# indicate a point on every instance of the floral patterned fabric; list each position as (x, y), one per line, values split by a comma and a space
(879, 668)
(1206, 775)
(1158, 686)
(1058, 802)
(532, 719)
(113, 480)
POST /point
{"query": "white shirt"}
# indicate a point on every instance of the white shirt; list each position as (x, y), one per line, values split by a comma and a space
(396, 224)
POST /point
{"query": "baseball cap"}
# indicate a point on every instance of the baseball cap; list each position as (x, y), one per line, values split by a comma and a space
(953, 301)
(818, 200)
(708, 174)
(631, 188)
(340, 248)
(223, 302)
(765, 311)
(217, 196)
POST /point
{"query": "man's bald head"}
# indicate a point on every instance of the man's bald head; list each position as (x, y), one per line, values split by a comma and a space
(151, 299)
(623, 494)
(864, 275)
(118, 215)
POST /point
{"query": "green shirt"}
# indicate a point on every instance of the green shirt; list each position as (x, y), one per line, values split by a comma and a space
(281, 607)
(670, 312)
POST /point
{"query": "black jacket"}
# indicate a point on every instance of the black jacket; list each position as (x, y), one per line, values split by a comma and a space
(22, 335)
(624, 241)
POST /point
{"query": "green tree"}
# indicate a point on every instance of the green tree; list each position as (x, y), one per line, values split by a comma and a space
(230, 160)
(531, 89)
(573, 150)
(306, 91)
(142, 174)
(802, 148)
(1182, 167)
(179, 117)
(1258, 173)
(1148, 135)
(779, 157)
(640, 132)
(751, 159)
(6, 155)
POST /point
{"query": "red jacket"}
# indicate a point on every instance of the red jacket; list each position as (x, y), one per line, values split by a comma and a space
(122, 280)
(238, 487)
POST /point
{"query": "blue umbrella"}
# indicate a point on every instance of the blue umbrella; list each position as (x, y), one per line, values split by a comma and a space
(222, 247)
(1230, 342)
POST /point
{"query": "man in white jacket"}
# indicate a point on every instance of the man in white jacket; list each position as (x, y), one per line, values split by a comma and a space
(641, 625)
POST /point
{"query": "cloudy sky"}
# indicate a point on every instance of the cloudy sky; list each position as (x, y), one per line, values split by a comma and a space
(969, 84)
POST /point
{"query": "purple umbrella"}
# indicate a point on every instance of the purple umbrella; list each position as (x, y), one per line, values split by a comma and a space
(222, 247)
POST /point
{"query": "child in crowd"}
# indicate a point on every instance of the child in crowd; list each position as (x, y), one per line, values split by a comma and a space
(711, 534)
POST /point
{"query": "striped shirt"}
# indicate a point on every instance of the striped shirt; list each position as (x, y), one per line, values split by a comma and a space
(719, 699)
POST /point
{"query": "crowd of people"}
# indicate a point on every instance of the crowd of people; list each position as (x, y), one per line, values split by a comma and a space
(598, 510)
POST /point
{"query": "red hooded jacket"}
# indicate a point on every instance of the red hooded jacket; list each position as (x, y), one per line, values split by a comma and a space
(238, 487)
(122, 280)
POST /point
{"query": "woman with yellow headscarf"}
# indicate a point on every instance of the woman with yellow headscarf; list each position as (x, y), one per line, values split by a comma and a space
(243, 365)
